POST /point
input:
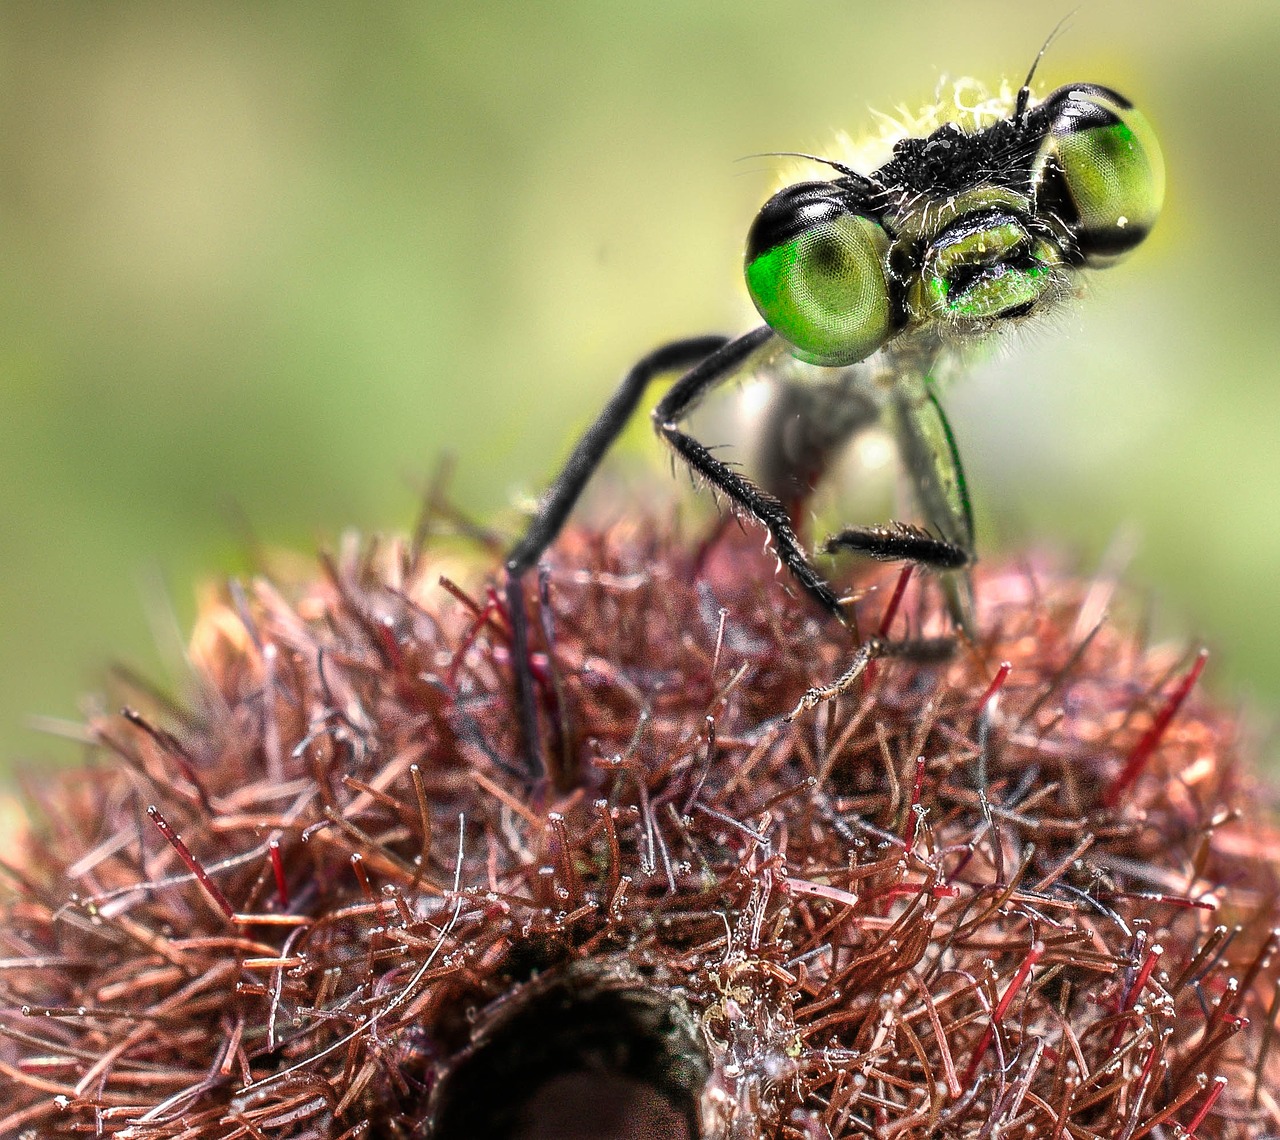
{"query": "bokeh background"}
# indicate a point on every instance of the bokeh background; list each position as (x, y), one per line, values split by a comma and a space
(263, 264)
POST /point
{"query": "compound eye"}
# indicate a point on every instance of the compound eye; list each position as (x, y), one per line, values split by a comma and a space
(1111, 168)
(815, 271)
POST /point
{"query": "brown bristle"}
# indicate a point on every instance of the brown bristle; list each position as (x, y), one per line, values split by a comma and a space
(959, 900)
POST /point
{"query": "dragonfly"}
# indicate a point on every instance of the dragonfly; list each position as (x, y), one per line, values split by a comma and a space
(874, 285)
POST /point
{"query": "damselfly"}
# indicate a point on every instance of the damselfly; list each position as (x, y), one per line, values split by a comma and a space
(873, 284)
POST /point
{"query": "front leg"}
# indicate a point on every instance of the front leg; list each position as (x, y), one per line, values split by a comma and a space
(555, 505)
(683, 397)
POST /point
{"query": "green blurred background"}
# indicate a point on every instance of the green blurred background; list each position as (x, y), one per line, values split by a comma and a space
(273, 260)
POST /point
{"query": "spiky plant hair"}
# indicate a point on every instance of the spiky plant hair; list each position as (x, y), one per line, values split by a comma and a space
(322, 898)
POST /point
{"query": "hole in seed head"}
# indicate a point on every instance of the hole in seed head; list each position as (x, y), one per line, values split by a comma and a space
(590, 1054)
(591, 1106)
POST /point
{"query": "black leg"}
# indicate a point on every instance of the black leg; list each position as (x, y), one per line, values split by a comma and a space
(900, 542)
(683, 397)
(560, 499)
(896, 541)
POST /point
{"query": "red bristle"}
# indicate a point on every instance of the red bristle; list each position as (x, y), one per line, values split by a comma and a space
(1141, 752)
(895, 600)
(456, 591)
(1219, 1084)
(478, 623)
(388, 644)
(989, 697)
(886, 620)
(172, 747)
(362, 877)
(1002, 1007)
(193, 864)
(277, 868)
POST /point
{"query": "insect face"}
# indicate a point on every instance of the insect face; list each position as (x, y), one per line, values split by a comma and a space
(959, 230)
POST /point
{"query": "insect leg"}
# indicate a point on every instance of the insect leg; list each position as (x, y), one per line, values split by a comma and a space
(899, 542)
(559, 500)
(874, 648)
(682, 398)
(932, 460)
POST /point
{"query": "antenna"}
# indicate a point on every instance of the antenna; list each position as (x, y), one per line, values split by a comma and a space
(865, 182)
(1024, 92)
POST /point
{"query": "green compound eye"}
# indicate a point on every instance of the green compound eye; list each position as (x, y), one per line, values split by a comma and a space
(816, 274)
(1111, 168)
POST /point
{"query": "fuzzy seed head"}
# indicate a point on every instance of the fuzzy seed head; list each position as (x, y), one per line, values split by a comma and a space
(957, 900)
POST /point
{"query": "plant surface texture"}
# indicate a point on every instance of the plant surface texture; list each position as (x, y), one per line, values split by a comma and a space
(1026, 887)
